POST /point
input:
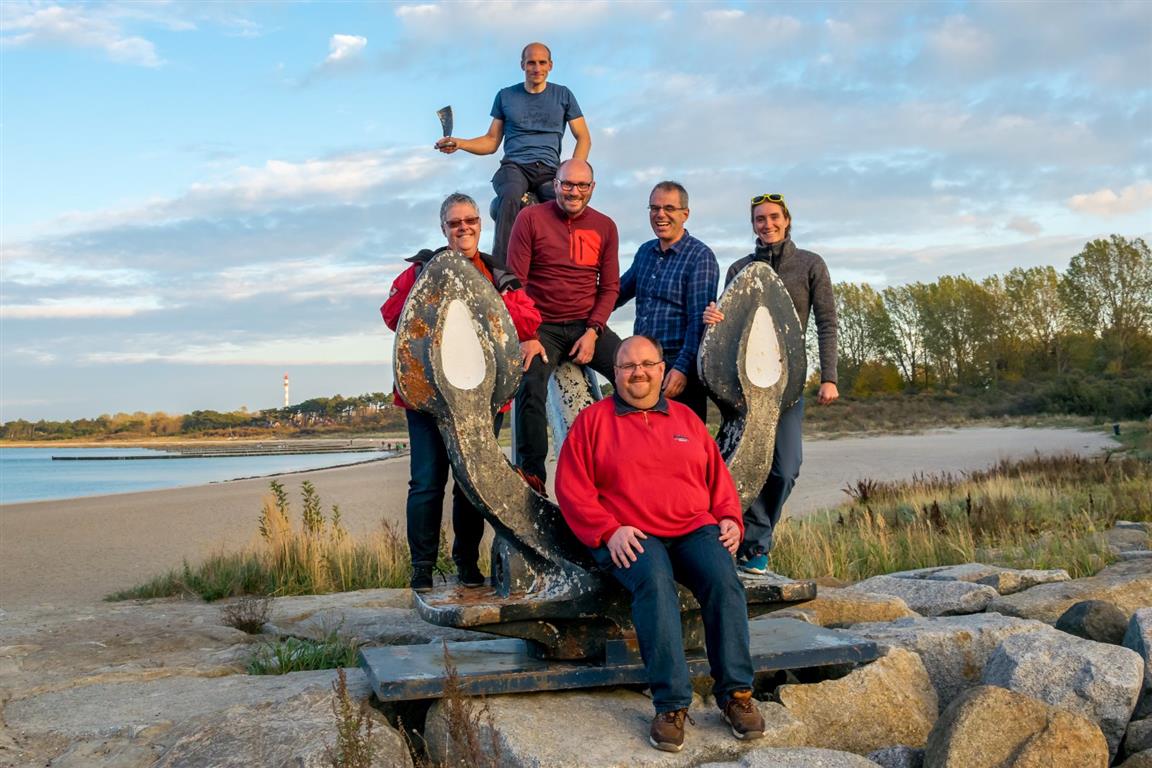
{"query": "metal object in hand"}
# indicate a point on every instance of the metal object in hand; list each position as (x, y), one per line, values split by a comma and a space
(445, 116)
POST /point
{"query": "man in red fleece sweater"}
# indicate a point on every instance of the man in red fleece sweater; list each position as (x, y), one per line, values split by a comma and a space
(565, 255)
(642, 484)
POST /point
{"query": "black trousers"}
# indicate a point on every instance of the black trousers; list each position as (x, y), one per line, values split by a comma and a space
(532, 399)
(511, 181)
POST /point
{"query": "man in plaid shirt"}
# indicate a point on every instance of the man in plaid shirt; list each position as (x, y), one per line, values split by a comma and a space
(673, 278)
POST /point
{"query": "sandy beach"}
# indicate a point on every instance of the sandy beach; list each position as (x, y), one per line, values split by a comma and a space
(77, 551)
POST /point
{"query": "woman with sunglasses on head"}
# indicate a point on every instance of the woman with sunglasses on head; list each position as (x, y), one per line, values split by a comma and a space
(460, 222)
(805, 275)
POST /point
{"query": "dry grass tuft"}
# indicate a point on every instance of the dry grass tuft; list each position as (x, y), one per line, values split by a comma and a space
(248, 614)
(1045, 512)
(354, 747)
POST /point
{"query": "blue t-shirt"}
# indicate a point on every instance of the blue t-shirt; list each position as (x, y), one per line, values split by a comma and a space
(534, 122)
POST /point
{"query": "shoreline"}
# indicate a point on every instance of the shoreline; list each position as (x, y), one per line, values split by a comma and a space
(269, 476)
(159, 442)
(76, 551)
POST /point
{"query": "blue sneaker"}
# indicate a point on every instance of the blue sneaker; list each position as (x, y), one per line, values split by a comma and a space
(757, 564)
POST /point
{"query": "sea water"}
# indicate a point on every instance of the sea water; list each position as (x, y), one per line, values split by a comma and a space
(30, 474)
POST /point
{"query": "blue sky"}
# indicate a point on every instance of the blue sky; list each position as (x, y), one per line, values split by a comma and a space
(196, 198)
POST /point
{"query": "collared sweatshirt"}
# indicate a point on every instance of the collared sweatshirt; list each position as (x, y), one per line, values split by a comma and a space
(657, 470)
(805, 275)
(570, 267)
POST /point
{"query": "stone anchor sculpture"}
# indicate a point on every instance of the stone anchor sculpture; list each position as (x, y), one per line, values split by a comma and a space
(753, 365)
(457, 358)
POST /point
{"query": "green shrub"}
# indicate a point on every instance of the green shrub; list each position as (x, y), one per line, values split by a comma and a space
(292, 654)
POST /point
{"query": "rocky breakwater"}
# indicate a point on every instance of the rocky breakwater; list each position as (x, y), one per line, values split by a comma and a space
(975, 674)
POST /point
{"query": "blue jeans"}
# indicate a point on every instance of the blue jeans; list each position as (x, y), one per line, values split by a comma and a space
(764, 513)
(698, 561)
(429, 475)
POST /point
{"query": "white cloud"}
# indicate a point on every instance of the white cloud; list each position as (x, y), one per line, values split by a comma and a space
(33, 355)
(300, 280)
(1025, 225)
(343, 49)
(77, 307)
(511, 18)
(724, 15)
(418, 11)
(355, 348)
(78, 27)
(1105, 202)
(753, 26)
(37, 269)
(962, 41)
(342, 179)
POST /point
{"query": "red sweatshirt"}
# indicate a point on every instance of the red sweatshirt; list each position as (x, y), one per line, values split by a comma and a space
(524, 315)
(657, 470)
(570, 267)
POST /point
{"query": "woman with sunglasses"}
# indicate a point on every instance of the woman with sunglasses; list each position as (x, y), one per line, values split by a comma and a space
(428, 458)
(805, 275)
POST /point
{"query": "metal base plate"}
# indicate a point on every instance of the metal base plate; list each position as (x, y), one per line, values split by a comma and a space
(406, 672)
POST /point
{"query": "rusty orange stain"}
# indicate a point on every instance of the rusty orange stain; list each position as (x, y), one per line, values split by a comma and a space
(496, 326)
(417, 390)
(417, 328)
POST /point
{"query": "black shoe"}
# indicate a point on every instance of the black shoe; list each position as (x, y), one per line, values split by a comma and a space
(469, 575)
(421, 578)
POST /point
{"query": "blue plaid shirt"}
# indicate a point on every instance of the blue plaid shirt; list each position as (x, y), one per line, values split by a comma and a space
(671, 289)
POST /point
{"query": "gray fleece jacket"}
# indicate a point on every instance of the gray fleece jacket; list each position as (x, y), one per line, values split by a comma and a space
(805, 275)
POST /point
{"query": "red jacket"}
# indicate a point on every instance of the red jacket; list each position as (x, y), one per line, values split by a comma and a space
(525, 317)
(570, 267)
(657, 470)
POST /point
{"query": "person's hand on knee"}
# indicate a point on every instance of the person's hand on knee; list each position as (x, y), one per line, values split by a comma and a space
(624, 545)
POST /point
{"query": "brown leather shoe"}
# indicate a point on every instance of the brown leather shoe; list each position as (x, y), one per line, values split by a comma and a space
(667, 732)
(743, 716)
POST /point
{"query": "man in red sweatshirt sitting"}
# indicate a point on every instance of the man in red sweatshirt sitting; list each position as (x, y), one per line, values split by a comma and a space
(642, 484)
(564, 253)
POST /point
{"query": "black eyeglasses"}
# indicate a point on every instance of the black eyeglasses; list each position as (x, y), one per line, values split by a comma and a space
(772, 198)
(646, 365)
(469, 220)
(669, 209)
(568, 186)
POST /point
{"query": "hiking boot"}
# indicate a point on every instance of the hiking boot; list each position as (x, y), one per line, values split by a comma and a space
(667, 732)
(742, 714)
(421, 578)
(757, 564)
(469, 575)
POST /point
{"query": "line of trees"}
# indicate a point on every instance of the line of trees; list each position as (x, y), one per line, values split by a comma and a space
(961, 334)
(320, 415)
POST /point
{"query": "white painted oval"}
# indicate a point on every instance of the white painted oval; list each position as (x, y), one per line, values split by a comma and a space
(762, 360)
(460, 352)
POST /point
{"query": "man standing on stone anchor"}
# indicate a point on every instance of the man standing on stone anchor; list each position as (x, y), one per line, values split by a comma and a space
(642, 484)
(805, 276)
(565, 254)
(673, 278)
(529, 118)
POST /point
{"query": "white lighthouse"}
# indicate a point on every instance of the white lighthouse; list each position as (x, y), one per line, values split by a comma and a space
(285, 390)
